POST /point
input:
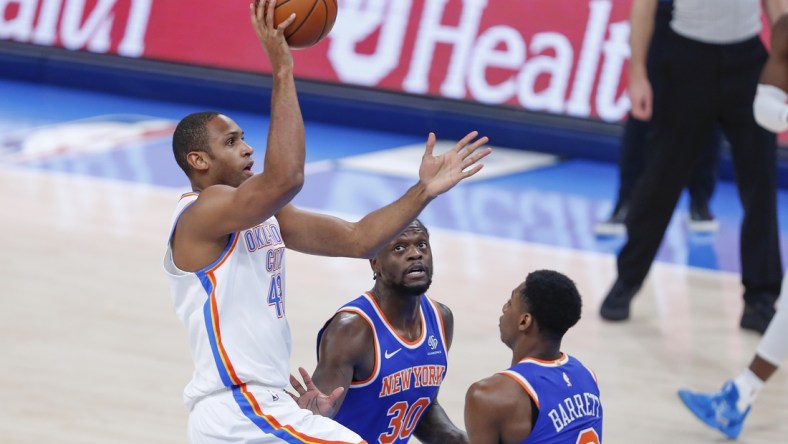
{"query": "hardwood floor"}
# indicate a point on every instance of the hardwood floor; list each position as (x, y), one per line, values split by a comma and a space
(93, 352)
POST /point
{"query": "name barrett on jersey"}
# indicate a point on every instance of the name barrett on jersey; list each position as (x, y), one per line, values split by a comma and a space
(418, 376)
(574, 407)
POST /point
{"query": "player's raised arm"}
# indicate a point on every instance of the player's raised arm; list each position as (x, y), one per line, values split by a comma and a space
(329, 236)
(211, 149)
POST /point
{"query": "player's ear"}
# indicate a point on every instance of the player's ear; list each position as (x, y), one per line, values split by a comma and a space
(373, 263)
(198, 160)
(526, 321)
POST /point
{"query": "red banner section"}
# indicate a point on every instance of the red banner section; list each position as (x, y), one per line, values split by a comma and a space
(558, 56)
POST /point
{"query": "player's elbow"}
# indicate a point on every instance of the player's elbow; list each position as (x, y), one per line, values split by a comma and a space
(289, 183)
(296, 181)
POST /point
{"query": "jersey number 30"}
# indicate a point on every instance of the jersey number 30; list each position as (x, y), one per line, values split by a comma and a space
(403, 420)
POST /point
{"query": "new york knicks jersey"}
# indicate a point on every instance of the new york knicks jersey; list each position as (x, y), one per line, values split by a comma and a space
(234, 311)
(567, 396)
(387, 406)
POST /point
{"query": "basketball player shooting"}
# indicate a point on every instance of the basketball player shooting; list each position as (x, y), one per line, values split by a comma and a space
(225, 257)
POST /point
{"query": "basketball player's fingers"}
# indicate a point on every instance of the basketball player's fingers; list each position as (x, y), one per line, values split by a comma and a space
(468, 161)
(297, 385)
(305, 375)
(280, 28)
(430, 145)
(469, 149)
(464, 141)
(476, 168)
(269, 6)
(335, 395)
(254, 15)
(293, 395)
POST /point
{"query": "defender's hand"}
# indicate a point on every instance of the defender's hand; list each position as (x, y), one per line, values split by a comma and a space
(440, 173)
(312, 399)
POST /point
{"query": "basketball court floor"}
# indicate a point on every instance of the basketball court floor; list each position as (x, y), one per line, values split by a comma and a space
(93, 352)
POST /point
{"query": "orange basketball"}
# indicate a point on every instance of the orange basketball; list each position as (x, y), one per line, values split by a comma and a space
(314, 20)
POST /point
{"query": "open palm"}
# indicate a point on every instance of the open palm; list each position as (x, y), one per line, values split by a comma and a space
(440, 173)
(311, 398)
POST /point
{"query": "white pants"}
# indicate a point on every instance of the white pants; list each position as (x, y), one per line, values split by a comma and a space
(260, 415)
(774, 344)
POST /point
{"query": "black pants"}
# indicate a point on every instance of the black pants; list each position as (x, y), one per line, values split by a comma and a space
(706, 86)
(632, 157)
(632, 163)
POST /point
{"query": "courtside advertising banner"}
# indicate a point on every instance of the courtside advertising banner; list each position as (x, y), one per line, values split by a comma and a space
(564, 57)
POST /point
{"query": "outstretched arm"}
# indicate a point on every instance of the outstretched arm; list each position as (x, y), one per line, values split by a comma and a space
(330, 236)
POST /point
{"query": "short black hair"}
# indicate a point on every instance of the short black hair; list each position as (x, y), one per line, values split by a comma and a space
(191, 134)
(553, 300)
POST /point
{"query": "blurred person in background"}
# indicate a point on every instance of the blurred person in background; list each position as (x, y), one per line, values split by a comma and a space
(633, 156)
(726, 409)
(713, 60)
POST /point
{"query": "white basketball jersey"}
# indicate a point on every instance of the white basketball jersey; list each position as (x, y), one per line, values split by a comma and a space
(234, 311)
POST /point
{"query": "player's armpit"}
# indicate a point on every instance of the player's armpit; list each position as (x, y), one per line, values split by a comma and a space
(346, 353)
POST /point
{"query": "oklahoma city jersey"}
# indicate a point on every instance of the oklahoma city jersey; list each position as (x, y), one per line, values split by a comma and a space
(234, 312)
(567, 396)
(387, 406)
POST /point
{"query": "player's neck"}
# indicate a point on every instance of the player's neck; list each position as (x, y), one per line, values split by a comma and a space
(541, 350)
(402, 311)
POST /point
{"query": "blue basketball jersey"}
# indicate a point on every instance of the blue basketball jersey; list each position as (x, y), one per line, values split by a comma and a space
(387, 406)
(567, 396)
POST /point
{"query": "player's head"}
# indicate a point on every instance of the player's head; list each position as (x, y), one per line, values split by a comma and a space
(209, 147)
(547, 299)
(405, 264)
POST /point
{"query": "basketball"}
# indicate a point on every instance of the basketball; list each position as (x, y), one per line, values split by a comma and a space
(314, 20)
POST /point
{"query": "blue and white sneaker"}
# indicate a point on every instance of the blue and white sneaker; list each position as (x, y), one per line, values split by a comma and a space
(718, 410)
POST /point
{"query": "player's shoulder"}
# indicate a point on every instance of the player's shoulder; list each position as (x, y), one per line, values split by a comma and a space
(203, 203)
(349, 322)
(443, 309)
(495, 391)
(584, 368)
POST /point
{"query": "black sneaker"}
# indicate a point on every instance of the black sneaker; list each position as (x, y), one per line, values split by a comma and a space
(701, 220)
(614, 225)
(756, 316)
(615, 307)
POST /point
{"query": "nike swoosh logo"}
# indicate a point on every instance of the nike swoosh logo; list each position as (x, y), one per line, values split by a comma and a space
(389, 355)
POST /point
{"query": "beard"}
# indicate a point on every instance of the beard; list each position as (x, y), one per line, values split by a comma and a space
(413, 289)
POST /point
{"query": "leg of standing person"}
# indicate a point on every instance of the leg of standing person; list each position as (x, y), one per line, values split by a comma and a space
(631, 161)
(683, 120)
(755, 160)
(630, 167)
(701, 188)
